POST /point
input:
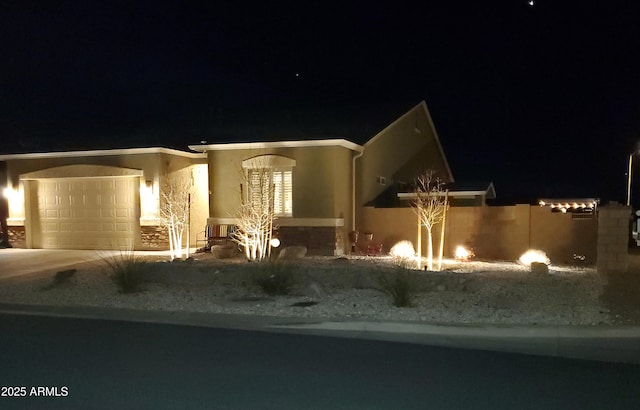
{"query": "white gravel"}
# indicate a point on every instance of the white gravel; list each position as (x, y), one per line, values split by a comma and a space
(464, 293)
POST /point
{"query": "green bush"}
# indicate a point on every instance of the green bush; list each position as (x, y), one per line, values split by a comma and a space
(124, 269)
(275, 277)
(400, 285)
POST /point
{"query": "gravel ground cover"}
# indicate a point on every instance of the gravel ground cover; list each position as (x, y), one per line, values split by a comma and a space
(500, 293)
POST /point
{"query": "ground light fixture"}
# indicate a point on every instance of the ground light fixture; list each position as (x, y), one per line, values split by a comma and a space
(403, 250)
(534, 255)
(463, 254)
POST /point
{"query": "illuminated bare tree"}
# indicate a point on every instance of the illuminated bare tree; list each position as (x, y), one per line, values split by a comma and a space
(174, 210)
(429, 205)
(256, 214)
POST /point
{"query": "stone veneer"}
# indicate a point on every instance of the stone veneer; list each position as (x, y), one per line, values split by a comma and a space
(154, 238)
(17, 236)
(319, 240)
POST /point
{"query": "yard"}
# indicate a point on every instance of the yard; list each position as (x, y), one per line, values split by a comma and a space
(501, 293)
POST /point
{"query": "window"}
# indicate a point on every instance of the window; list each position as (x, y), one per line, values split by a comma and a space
(264, 181)
(271, 177)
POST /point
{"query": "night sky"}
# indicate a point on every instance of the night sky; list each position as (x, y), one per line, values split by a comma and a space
(544, 101)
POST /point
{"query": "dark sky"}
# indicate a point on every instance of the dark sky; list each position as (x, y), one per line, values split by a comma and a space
(542, 100)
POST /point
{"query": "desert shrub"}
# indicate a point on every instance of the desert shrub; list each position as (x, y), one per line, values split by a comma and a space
(275, 277)
(400, 285)
(125, 269)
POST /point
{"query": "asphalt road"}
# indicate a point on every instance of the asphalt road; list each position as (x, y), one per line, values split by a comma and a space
(110, 364)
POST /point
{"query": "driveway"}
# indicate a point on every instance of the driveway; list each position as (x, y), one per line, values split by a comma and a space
(15, 262)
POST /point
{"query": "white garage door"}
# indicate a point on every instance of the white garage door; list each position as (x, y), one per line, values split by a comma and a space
(88, 213)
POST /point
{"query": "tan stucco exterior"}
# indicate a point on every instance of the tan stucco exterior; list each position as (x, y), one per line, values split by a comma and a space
(321, 185)
(399, 153)
(331, 179)
(494, 233)
(147, 165)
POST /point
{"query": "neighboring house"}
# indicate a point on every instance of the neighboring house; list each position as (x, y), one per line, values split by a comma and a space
(110, 198)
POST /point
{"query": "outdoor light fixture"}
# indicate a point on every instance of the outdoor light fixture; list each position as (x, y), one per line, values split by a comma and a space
(534, 255)
(463, 254)
(580, 205)
(403, 250)
(275, 242)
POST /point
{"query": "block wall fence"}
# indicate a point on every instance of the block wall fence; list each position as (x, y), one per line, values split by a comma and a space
(506, 232)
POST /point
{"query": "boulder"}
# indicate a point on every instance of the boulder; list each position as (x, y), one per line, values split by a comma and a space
(223, 251)
(293, 252)
(539, 268)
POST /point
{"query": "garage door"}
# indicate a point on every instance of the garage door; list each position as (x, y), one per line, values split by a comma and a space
(87, 213)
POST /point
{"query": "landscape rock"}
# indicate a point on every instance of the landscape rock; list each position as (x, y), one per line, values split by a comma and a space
(293, 252)
(539, 268)
(501, 293)
(223, 251)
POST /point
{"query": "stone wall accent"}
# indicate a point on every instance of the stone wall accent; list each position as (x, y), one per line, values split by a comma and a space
(319, 240)
(154, 238)
(17, 236)
(613, 238)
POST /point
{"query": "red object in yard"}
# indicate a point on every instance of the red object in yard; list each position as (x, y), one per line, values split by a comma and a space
(374, 249)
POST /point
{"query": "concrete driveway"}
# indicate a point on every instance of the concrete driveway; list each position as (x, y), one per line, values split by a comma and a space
(15, 262)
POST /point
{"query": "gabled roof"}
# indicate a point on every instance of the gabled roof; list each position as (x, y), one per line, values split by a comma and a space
(461, 189)
(473, 188)
(422, 106)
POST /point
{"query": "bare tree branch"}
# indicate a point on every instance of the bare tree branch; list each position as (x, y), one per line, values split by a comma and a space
(256, 214)
(429, 205)
(174, 208)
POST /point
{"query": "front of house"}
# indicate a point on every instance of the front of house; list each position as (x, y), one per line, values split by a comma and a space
(106, 199)
(112, 198)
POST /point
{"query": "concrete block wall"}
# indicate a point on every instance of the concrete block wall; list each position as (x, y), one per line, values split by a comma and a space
(613, 238)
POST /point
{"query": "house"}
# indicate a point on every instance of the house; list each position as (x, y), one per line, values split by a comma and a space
(112, 198)
(101, 199)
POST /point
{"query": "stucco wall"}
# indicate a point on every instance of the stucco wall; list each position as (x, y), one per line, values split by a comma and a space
(153, 165)
(496, 233)
(321, 184)
(400, 152)
(321, 180)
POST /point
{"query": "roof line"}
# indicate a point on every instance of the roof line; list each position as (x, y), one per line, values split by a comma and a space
(103, 152)
(277, 144)
(422, 104)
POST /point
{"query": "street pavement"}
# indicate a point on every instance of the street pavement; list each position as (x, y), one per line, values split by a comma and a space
(109, 364)
(602, 343)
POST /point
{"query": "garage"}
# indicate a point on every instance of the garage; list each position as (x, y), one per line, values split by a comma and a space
(85, 213)
(82, 207)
